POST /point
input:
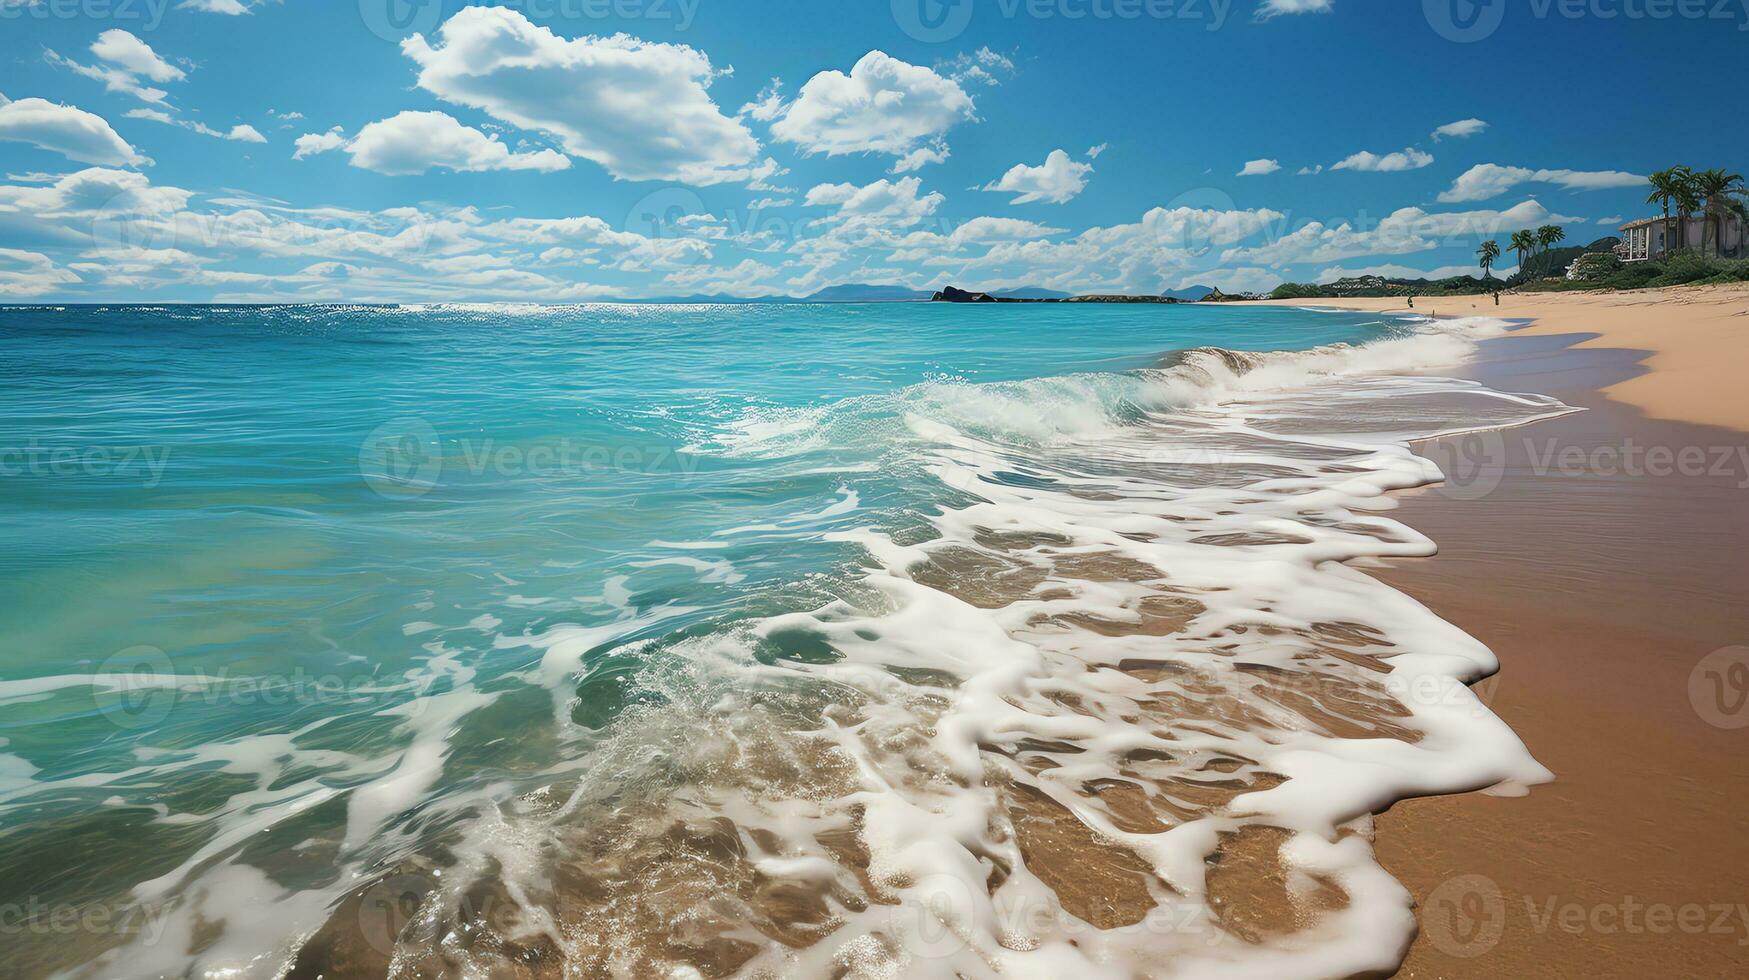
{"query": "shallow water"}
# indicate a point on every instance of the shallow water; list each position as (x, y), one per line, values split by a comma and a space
(896, 639)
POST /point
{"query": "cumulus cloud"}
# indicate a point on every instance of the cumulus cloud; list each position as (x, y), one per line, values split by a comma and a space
(67, 130)
(883, 106)
(94, 191)
(935, 152)
(640, 109)
(1486, 180)
(1057, 180)
(1406, 159)
(410, 143)
(1268, 9)
(1258, 168)
(30, 273)
(884, 203)
(124, 60)
(1461, 129)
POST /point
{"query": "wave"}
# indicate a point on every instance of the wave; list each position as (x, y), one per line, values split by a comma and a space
(1113, 703)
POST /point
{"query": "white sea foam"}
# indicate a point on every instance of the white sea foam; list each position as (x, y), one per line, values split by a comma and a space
(1134, 581)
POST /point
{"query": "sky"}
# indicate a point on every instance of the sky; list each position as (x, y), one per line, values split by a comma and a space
(578, 150)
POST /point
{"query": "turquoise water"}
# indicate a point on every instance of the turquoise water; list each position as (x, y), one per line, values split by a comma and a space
(281, 581)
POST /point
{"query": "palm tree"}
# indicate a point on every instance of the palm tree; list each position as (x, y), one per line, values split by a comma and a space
(1717, 190)
(1489, 251)
(1524, 243)
(1666, 185)
(1688, 200)
(1549, 236)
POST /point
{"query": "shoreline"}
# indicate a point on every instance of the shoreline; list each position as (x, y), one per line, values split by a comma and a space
(1696, 339)
(1608, 582)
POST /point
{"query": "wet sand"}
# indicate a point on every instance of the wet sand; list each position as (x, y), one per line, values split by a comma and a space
(1602, 578)
(1697, 338)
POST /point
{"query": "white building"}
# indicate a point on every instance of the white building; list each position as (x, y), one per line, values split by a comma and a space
(1653, 238)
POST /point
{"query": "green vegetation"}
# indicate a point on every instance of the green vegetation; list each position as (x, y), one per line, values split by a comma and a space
(1681, 269)
(1683, 193)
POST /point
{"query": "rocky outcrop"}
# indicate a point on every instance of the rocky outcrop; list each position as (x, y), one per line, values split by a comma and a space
(954, 294)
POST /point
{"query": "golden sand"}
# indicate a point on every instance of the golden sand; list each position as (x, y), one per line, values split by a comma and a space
(1697, 336)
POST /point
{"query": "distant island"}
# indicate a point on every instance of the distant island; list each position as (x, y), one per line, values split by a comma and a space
(954, 294)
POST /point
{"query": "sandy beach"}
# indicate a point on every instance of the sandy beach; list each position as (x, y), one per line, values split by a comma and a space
(1608, 577)
(1696, 339)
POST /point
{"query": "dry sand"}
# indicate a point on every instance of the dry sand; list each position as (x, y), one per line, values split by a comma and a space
(1607, 581)
(1697, 336)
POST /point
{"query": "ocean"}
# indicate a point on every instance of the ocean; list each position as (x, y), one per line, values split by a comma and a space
(895, 639)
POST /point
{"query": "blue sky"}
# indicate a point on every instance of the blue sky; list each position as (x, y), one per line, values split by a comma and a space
(569, 150)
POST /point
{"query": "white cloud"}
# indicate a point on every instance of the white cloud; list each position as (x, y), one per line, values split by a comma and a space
(94, 191)
(410, 143)
(310, 144)
(133, 55)
(1403, 231)
(1614, 219)
(1394, 271)
(768, 105)
(242, 132)
(935, 152)
(1057, 180)
(1257, 168)
(231, 8)
(640, 109)
(1461, 129)
(982, 67)
(769, 202)
(126, 60)
(1311, 171)
(1406, 159)
(1093, 152)
(1275, 8)
(884, 203)
(883, 106)
(30, 273)
(67, 130)
(1486, 180)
